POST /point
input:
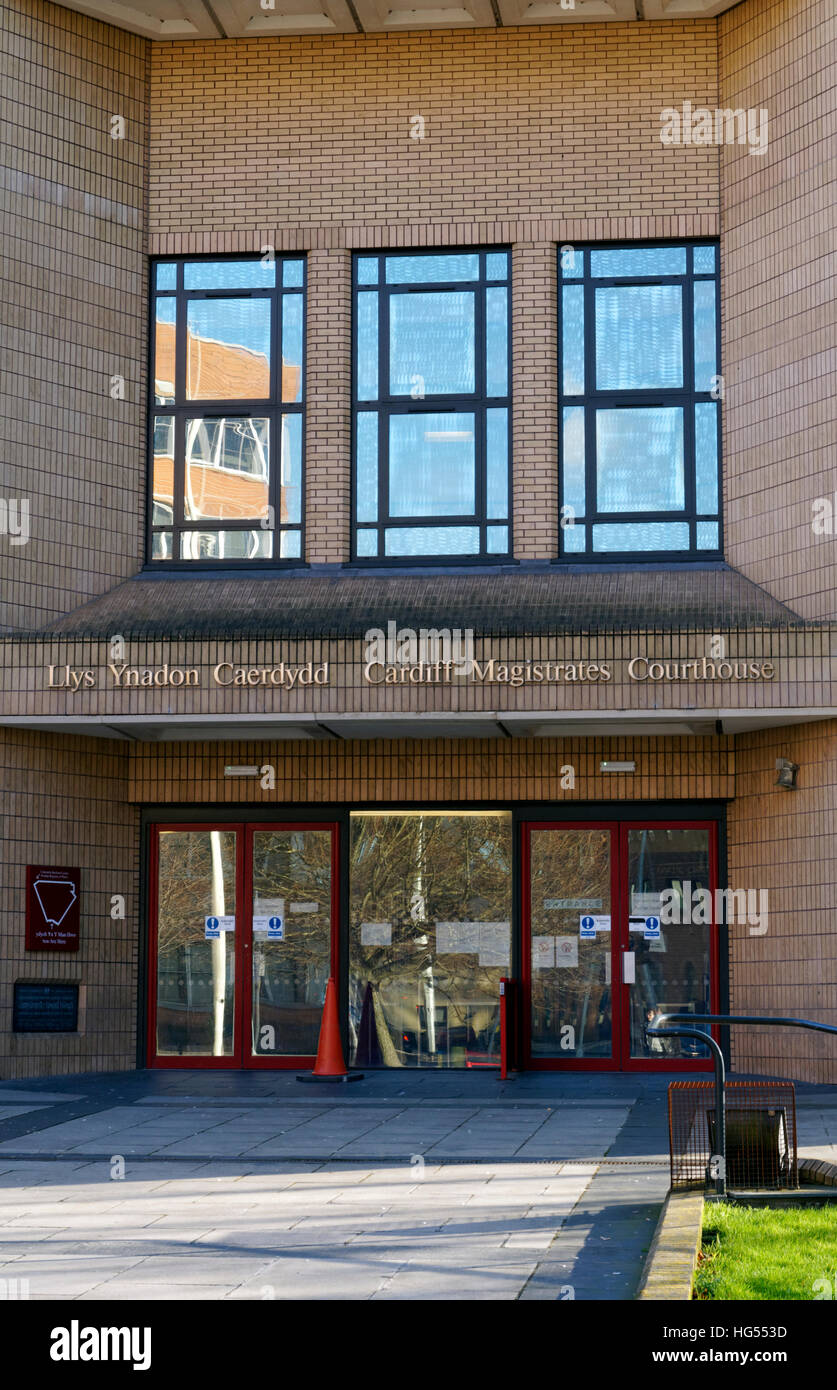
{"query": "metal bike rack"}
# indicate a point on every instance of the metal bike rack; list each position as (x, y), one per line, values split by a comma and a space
(724, 1021)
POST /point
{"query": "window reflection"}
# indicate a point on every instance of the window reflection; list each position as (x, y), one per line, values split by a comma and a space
(227, 468)
(195, 976)
(429, 937)
(238, 462)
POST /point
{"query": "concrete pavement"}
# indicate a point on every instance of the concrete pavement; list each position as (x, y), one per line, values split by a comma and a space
(185, 1185)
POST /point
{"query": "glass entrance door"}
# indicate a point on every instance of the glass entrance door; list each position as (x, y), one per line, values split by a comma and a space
(243, 939)
(669, 964)
(570, 873)
(618, 928)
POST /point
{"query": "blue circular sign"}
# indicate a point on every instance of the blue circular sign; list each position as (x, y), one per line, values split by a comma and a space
(652, 924)
(588, 923)
(212, 923)
(275, 923)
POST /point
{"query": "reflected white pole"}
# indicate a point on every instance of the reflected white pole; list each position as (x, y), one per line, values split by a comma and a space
(219, 947)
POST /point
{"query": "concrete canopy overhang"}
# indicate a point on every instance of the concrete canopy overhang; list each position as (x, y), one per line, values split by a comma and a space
(176, 20)
(446, 725)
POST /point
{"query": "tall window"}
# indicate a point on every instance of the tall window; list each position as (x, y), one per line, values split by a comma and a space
(640, 433)
(227, 418)
(432, 405)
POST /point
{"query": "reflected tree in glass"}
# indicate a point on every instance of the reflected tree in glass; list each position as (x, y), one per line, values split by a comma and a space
(429, 937)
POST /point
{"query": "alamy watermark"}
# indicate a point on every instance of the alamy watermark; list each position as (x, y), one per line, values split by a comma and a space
(448, 648)
(699, 907)
(698, 125)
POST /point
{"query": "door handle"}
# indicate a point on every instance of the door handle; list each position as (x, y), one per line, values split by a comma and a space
(628, 968)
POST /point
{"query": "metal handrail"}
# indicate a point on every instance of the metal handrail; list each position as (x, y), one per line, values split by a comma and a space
(724, 1021)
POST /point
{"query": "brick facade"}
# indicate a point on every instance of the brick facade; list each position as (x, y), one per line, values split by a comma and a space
(73, 307)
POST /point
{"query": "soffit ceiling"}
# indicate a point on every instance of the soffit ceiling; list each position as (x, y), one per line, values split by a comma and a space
(233, 19)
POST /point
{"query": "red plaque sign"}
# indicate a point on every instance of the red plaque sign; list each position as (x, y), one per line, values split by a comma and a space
(53, 908)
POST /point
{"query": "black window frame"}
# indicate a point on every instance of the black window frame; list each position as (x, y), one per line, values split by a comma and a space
(594, 399)
(271, 408)
(386, 405)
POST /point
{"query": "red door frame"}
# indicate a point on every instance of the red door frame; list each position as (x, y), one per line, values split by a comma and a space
(621, 1059)
(531, 1063)
(243, 1007)
(285, 1062)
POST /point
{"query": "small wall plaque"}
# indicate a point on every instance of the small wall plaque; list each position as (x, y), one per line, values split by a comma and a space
(53, 908)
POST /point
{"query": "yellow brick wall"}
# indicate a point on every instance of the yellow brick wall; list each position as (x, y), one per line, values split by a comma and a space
(62, 802)
(786, 842)
(73, 307)
(780, 300)
(557, 123)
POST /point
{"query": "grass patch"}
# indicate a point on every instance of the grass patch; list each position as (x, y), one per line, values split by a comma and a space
(764, 1253)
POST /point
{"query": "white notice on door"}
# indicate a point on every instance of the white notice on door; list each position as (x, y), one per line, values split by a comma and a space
(376, 933)
(494, 943)
(566, 952)
(265, 911)
(543, 952)
(590, 924)
(457, 938)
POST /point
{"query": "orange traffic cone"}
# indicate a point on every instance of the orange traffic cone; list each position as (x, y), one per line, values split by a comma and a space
(330, 1064)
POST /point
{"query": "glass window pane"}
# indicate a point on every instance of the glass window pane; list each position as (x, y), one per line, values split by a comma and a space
(429, 937)
(431, 344)
(195, 976)
(638, 261)
(641, 535)
(292, 274)
(163, 471)
(639, 459)
(227, 468)
(672, 973)
(497, 265)
(704, 262)
(291, 469)
(430, 270)
(367, 346)
(366, 454)
(254, 274)
(496, 342)
(573, 470)
(705, 334)
(570, 994)
(572, 339)
(290, 543)
(574, 538)
(432, 465)
(291, 883)
(226, 545)
(291, 347)
(161, 545)
(367, 543)
(706, 456)
(367, 270)
(497, 463)
(164, 355)
(639, 337)
(707, 535)
(497, 540)
(228, 349)
(166, 276)
(432, 540)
